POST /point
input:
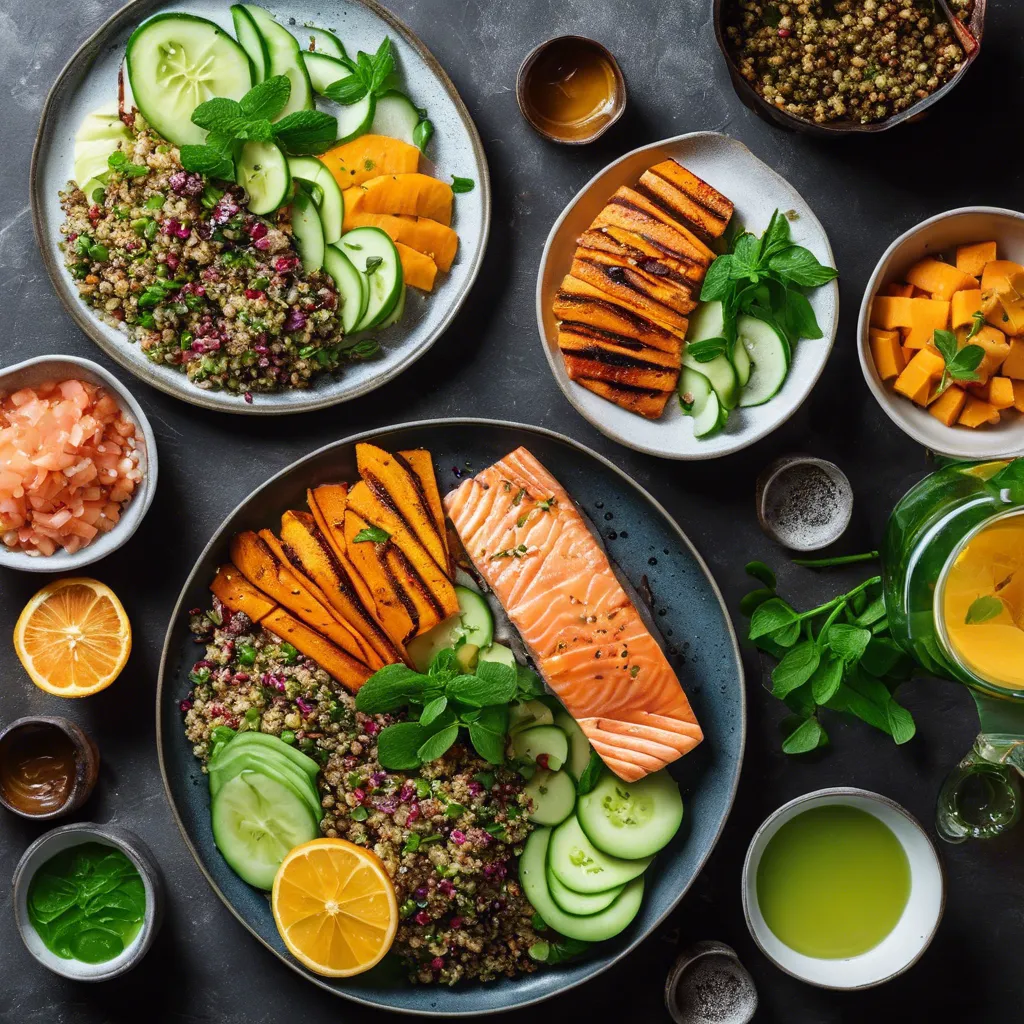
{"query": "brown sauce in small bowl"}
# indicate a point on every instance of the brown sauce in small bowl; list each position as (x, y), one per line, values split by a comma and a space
(39, 767)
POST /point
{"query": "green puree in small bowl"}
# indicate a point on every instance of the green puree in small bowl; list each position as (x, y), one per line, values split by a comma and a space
(833, 882)
(87, 903)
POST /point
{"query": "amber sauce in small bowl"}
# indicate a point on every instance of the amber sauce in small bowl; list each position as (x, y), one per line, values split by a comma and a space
(571, 89)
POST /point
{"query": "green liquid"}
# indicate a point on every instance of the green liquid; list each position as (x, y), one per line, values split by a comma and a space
(833, 882)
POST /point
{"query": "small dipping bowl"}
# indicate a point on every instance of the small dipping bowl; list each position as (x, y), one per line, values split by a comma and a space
(709, 985)
(584, 76)
(48, 767)
(804, 503)
(912, 934)
(48, 846)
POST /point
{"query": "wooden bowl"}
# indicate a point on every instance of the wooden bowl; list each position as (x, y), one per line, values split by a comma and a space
(969, 37)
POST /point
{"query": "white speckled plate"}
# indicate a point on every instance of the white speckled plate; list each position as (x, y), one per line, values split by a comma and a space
(89, 81)
(757, 191)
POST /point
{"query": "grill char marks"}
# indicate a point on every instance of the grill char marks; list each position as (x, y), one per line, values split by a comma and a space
(687, 198)
(635, 247)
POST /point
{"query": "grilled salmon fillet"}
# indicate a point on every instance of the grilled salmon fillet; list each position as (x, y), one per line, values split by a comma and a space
(587, 639)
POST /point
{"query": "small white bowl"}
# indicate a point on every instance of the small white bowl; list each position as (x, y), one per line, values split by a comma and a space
(914, 931)
(33, 372)
(49, 845)
(942, 234)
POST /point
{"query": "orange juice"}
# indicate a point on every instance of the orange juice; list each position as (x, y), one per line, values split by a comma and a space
(982, 602)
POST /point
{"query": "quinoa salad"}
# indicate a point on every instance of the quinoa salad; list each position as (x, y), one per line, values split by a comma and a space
(847, 60)
(449, 833)
(183, 269)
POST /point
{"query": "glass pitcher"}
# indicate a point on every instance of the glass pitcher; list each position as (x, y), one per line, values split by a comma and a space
(926, 545)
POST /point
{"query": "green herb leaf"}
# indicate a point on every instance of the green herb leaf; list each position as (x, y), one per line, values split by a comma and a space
(979, 322)
(826, 679)
(208, 161)
(872, 613)
(901, 722)
(807, 736)
(798, 318)
(305, 132)
(756, 598)
(883, 656)
(590, 775)
(462, 185)
(390, 688)
(528, 683)
(398, 745)
(847, 642)
(119, 162)
(559, 952)
(221, 114)
(432, 709)
(707, 349)
(436, 745)
(718, 280)
(383, 66)
(487, 733)
(493, 683)
(796, 668)
(799, 266)
(1010, 479)
(265, 100)
(347, 91)
(422, 134)
(776, 237)
(983, 609)
(964, 364)
(770, 617)
(372, 534)
(762, 573)
(372, 263)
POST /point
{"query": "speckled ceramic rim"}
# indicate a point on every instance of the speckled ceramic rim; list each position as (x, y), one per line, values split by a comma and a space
(380, 436)
(888, 399)
(865, 794)
(552, 355)
(135, 511)
(186, 392)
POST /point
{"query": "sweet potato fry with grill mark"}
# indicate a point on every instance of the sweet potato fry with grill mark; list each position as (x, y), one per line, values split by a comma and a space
(602, 313)
(657, 282)
(632, 246)
(627, 288)
(350, 672)
(696, 188)
(579, 339)
(237, 594)
(421, 463)
(327, 504)
(649, 404)
(664, 317)
(687, 198)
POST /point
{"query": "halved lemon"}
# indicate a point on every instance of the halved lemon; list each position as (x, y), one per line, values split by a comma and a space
(335, 907)
(73, 637)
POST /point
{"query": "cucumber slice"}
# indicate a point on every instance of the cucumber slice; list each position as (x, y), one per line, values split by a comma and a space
(699, 400)
(324, 70)
(177, 61)
(474, 621)
(579, 745)
(547, 745)
(582, 867)
(101, 124)
(711, 419)
(262, 170)
(578, 903)
(280, 770)
(329, 198)
(527, 715)
(707, 321)
(631, 819)
(308, 232)
(499, 653)
(720, 374)
(396, 116)
(769, 356)
(285, 59)
(252, 42)
(351, 291)
(256, 821)
(397, 313)
(374, 255)
(355, 119)
(552, 796)
(323, 40)
(593, 928)
(99, 135)
(267, 740)
(741, 363)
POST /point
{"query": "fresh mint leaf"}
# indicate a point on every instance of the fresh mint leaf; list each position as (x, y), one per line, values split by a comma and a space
(590, 775)
(305, 132)
(847, 642)
(390, 688)
(901, 722)
(799, 266)
(798, 317)
(493, 683)
(372, 263)
(528, 683)
(119, 162)
(372, 534)
(257, 131)
(775, 238)
(707, 349)
(222, 142)
(983, 609)
(964, 364)
(750, 602)
(946, 343)
(718, 280)
(422, 134)
(208, 161)
(383, 65)
(398, 745)
(487, 733)
(979, 322)
(796, 668)
(872, 613)
(807, 736)
(770, 617)
(347, 91)
(761, 573)
(438, 744)
(220, 115)
(432, 709)
(745, 258)
(462, 185)
(559, 952)
(444, 665)
(866, 697)
(883, 656)
(826, 679)
(267, 99)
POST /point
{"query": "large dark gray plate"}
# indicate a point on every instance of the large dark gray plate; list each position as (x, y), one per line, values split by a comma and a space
(689, 611)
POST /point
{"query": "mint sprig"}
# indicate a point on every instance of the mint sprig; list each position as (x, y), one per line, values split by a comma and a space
(371, 75)
(961, 364)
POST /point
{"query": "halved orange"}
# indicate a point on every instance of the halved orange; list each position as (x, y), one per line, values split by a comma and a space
(73, 637)
(335, 907)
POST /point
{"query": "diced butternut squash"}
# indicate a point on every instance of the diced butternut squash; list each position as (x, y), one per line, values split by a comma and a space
(898, 289)
(976, 412)
(947, 407)
(996, 347)
(419, 233)
(1013, 316)
(917, 380)
(410, 195)
(999, 393)
(369, 156)
(918, 293)
(927, 317)
(971, 259)
(418, 270)
(1018, 395)
(1013, 365)
(889, 311)
(997, 273)
(887, 353)
(963, 306)
(940, 280)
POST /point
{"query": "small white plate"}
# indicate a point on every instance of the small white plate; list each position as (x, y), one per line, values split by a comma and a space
(914, 931)
(757, 192)
(937, 235)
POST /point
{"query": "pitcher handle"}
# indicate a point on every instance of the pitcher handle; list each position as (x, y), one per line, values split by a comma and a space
(981, 797)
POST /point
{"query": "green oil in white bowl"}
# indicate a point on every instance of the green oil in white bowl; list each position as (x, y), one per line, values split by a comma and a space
(833, 882)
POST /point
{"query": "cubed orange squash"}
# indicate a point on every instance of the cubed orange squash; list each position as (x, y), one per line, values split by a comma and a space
(419, 233)
(917, 380)
(411, 195)
(940, 280)
(996, 347)
(971, 259)
(1013, 365)
(368, 156)
(889, 311)
(963, 306)
(898, 288)
(1013, 316)
(418, 270)
(997, 273)
(999, 393)
(1018, 395)
(927, 317)
(887, 353)
(976, 411)
(947, 407)
(919, 293)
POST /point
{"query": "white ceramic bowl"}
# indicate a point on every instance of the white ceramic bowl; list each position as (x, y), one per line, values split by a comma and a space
(941, 234)
(49, 845)
(914, 931)
(33, 372)
(757, 191)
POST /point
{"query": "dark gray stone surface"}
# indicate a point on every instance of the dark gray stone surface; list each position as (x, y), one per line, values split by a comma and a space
(866, 191)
